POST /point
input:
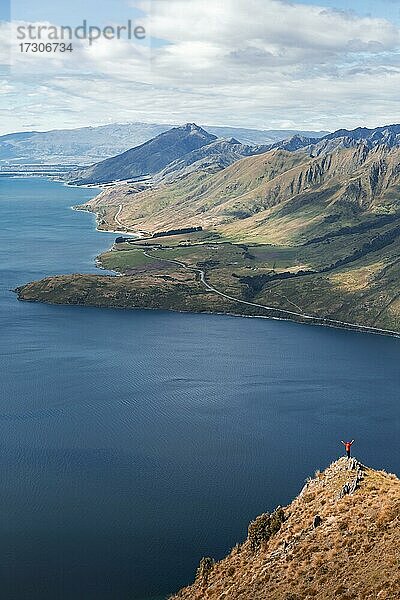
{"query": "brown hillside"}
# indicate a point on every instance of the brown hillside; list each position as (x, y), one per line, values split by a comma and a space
(339, 539)
(277, 197)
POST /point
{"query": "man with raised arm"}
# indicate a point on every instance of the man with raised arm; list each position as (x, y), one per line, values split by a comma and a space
(348, 446)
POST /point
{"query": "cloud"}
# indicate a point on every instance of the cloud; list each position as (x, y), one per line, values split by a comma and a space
(235, 22)
(234, 40)
(261, 63)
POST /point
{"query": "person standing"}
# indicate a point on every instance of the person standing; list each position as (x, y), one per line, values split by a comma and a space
(348, 446)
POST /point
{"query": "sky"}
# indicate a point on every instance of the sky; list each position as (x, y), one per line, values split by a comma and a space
(266, 64)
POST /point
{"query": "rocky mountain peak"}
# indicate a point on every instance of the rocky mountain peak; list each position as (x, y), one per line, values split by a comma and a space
(194, 129)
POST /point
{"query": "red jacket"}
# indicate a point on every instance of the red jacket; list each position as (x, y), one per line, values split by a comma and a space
(348, 445)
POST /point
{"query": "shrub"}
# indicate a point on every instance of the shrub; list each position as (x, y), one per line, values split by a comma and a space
(204, 569)
(264, 527)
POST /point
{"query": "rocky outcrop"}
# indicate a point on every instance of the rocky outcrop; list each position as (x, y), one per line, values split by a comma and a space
(338, 539)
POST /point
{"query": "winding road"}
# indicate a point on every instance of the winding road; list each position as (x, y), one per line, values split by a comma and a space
(286, 314)
(116, 218)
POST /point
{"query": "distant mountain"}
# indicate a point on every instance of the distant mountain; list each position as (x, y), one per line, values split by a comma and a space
(85, 145)
(268, 136)
(315, 234)
(88, 145)
(388, 136)
(337, 216)
(148, 158)
(297, 142)
(211, 154)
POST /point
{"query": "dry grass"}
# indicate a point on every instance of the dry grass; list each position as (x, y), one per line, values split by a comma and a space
(353, 554)
(360, 278)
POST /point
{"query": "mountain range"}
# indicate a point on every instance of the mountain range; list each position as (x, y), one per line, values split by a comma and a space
(148, 158)
(88, 145)
(305, 230)
(189, 148)
(258, 198)
(334, 215)
(168, 156)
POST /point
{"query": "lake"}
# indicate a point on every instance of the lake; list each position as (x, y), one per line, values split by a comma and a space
(132, 443)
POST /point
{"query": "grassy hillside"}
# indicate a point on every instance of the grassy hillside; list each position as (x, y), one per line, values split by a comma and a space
(283, 279)
(339, 538)
(284, 234)
(278, 197)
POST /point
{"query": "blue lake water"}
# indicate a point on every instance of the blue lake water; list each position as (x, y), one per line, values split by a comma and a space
(132, 443)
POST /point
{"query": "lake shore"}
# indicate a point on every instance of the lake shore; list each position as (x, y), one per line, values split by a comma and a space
(135, 235)
(101, 291)
(197, 402)
(157, 288)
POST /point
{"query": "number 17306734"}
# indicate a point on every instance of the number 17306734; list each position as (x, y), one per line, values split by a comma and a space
(43, 47)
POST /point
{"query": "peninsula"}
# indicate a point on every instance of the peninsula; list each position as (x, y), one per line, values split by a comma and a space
(310, 233)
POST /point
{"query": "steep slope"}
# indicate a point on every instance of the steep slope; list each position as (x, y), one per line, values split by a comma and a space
(315, 239)
(211, 158)
(388, 136)
(276, 197)
(294, 143)
(88, 145)
(349, 140)
(339, 538)
(149, 158)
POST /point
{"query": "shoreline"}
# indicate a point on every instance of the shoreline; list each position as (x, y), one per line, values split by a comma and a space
(292, 317)
(136, 236)
(364, 329)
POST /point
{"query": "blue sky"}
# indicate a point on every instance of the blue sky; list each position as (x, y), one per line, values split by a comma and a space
(5, 10)
(389, 9)
(73, 11)
(254, 63)
(113, 10)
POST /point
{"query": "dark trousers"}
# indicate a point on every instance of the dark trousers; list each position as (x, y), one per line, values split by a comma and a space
(348, 453)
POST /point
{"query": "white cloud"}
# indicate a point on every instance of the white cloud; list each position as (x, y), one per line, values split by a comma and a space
(261, 63)
(233, 22)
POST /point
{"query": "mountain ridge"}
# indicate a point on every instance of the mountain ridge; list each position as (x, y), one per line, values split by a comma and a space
(213, 157)
(148, 158)
(87, 145)
(118, 167)
(279, 233)
(387, 135)
(250, 197)
(338, 539)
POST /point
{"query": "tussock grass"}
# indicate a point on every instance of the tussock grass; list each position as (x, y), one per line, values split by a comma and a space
(352, 554)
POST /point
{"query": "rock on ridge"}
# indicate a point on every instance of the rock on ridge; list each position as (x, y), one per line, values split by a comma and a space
(339, 539)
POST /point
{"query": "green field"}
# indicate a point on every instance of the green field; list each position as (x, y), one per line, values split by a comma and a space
(363, 291)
